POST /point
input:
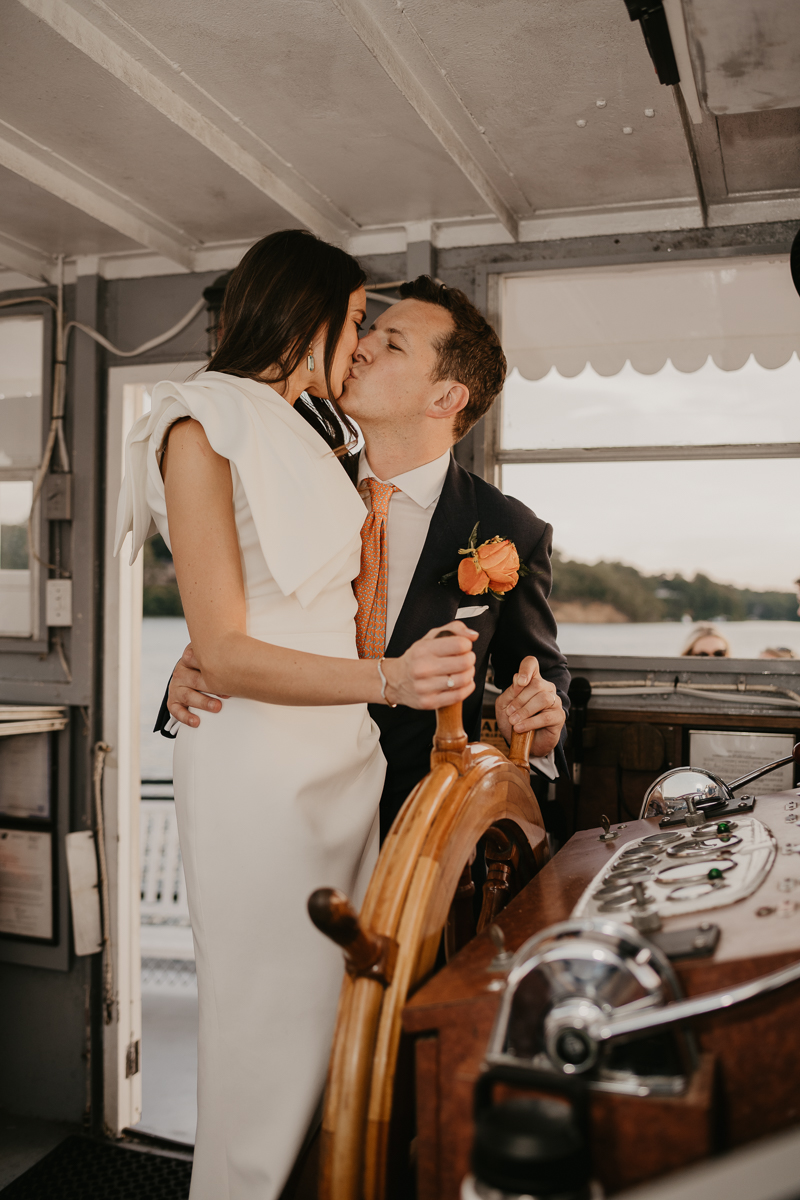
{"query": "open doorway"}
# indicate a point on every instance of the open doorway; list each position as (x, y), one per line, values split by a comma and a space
(156, 982)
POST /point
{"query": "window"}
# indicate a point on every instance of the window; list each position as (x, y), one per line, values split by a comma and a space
(15, 573)
(21, 428)
(672, 489)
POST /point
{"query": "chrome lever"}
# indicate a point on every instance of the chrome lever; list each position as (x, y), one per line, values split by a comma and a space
(743, 780)
(695, 1006)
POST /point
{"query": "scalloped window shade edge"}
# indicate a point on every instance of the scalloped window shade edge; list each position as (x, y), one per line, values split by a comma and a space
(728, 309)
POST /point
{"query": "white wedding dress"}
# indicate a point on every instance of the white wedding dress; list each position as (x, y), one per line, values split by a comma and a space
(272, 802)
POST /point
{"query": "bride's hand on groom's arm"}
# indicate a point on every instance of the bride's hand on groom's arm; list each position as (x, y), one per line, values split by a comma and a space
(188, 689)
(419, 678)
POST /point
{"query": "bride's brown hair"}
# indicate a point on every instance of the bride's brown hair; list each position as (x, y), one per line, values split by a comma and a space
(288, 287)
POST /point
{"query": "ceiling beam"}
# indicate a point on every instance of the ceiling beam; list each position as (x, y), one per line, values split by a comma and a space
(109, 55)
(422, 82)
(55, 175)
(26, 260)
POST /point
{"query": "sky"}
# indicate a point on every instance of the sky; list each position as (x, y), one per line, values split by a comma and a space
(21, 356)
(15, 501)
(737, 521)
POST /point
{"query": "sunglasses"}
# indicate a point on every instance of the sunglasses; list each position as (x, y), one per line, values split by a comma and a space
(705, 654)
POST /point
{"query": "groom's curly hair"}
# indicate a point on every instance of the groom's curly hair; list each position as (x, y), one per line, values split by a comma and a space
(470, 354)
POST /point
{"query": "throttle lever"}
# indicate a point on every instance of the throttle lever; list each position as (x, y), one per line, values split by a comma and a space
(694, 1006)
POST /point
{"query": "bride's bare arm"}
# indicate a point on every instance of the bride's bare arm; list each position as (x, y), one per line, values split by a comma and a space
(205, 549)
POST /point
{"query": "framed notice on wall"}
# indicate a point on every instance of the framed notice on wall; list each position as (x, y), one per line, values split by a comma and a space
(731, 755)
(25, 770)
(26, 883)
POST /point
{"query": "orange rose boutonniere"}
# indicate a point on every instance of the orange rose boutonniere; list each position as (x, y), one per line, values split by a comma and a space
(493, 566)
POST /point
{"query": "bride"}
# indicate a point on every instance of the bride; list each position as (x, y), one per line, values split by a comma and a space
(278, 795)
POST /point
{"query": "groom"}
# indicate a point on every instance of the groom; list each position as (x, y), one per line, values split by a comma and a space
(427, 370)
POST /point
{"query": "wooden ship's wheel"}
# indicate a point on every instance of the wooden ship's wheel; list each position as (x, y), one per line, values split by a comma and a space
(421, 897)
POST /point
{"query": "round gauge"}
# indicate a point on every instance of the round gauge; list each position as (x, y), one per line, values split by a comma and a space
(612, 889)
(711, 828)
(692, 891)
(661, 839)
(621, 900)
(629, 874)
(723, 841)
(704, 849)
(695, 872)
(640, 858)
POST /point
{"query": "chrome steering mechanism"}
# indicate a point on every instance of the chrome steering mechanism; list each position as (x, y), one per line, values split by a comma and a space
(698, 791)
(591, 997)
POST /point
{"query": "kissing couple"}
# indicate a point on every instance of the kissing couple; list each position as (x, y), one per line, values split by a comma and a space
(313, 607)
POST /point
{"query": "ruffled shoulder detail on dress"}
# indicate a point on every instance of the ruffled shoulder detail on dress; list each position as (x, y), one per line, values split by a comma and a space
(305, 509)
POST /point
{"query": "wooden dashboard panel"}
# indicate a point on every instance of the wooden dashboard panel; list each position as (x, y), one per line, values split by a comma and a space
(749, 1081)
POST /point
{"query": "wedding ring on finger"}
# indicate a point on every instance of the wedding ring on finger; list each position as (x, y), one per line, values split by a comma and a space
(450, 682)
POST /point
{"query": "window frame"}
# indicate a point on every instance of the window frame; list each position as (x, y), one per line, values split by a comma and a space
(37, 642)
(489, 454)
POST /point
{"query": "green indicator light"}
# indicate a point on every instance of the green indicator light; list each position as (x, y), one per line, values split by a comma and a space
(715, 873)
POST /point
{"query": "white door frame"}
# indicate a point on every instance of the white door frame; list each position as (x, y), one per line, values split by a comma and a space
(122, 640)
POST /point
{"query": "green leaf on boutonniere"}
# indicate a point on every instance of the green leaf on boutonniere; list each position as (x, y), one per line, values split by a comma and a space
(472, 544)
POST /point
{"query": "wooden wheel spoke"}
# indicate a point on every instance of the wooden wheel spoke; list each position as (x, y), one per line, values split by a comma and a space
(460, 927)
(422, 891)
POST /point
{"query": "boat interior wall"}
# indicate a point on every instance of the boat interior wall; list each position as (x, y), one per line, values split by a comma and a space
(145, 147)
(383, 126)
(722, 687)
(49, 1001)
(45, 1041)
(640, 722)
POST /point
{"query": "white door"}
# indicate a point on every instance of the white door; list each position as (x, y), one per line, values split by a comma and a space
(128, 398)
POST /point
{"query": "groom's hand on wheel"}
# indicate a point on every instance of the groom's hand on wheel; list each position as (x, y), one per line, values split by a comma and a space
(187, 689)
(531, 703)
(434, 671)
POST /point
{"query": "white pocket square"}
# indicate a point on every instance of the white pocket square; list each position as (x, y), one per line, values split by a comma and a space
(473, 610)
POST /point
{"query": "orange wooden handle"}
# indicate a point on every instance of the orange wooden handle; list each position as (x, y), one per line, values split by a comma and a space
(366, 954)
(520, 751)
(450, 733)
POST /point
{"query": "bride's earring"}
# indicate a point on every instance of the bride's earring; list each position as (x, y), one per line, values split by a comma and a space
(310, 360)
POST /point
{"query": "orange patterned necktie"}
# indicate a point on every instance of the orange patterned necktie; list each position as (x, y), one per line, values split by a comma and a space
(370, 585)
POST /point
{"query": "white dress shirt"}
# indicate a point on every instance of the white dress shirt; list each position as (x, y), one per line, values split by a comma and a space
(410, 512)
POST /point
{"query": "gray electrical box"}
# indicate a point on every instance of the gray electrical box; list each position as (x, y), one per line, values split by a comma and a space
(58, 497)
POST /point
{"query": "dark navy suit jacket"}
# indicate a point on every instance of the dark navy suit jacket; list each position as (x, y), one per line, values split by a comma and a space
(520, 624)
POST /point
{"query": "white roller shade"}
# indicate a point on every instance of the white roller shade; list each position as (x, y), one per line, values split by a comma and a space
(728, 308)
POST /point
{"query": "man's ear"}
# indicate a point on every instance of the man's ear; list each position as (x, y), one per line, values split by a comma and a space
(450, 401)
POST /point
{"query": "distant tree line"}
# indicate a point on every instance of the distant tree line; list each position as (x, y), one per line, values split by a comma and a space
(638, 597)
(161, 595)
(13, 547)
(665, 597)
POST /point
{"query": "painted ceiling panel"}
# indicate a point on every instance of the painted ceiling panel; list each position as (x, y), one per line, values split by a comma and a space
(292, 87)
(48, 224)
(57, 96)
(761, 150)
(527, 72)
(298, 77)
(746, 54)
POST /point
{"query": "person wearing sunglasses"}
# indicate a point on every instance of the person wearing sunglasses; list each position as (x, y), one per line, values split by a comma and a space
(707, 642)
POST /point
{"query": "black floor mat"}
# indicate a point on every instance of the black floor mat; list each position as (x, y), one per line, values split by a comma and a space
(82, 1169)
